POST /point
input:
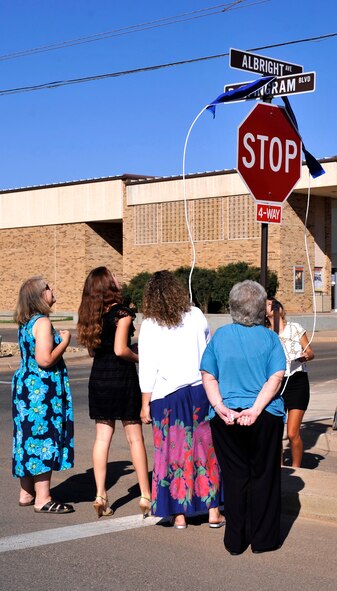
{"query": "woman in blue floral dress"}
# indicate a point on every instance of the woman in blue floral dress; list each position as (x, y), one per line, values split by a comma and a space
(42, 404)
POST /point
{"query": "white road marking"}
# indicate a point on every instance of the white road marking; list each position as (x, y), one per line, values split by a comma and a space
(74, 532)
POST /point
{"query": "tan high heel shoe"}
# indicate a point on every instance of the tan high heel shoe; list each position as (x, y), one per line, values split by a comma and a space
(102, 509)
(145, 506)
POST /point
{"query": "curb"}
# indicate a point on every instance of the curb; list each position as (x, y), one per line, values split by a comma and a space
(325, 441)
(307, 493)
(68, 355)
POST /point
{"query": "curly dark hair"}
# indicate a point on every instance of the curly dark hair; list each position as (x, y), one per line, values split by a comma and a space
(165, 299)
(101, 290)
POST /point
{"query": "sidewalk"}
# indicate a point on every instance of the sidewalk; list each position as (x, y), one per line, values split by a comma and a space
(312, 491)
(324, 336)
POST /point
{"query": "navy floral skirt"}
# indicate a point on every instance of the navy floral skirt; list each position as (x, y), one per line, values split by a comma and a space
(186, 476)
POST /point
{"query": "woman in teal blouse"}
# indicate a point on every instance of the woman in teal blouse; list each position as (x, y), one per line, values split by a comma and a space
(242, 368)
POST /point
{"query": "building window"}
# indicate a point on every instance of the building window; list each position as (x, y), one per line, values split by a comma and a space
(173, 222)
(241, 218)
(299, 278)
(318, 278)
(166, 223)
(208, 219)
(146, 224)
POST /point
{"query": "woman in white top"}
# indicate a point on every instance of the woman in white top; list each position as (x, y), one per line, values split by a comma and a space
(297, 390)
(172, 339)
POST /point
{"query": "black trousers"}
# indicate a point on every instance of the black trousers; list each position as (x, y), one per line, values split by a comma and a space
(250, 461)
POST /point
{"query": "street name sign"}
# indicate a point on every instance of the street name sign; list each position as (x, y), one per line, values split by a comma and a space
(281, 86)
(268, 213)
(260, 64)
(269, 153)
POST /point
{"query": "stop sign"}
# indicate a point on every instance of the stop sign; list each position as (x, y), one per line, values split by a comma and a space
(269, 153)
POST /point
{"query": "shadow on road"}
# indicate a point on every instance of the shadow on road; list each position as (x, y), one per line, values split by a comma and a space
(81, 488)
(310, 433)
(133, 493)
(291, 505)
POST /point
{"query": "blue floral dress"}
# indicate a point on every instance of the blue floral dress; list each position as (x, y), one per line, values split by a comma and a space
(43, 421)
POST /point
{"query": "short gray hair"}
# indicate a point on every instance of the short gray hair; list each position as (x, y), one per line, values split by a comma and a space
(247, 303)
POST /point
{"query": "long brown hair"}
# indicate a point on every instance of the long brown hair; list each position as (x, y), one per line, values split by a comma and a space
(165, 299)
(31, 300)
(100, 291)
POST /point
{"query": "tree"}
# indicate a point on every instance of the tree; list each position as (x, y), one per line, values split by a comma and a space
(133, 291)
(202, 285)
(210, 288)
(227, 276)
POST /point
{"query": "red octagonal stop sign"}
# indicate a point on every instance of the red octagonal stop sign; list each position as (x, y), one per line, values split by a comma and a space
(269, 153)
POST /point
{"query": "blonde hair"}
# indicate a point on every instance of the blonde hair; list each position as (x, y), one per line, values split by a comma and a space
(30, 300)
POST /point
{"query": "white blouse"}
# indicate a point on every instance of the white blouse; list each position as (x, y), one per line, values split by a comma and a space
(169, 358)
(291, 342)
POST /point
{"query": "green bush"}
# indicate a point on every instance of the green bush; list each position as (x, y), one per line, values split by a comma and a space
(210, 288)
(133, 291)
(227, 276)
(202, 285)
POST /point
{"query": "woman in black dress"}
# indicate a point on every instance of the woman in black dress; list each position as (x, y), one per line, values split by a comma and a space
(105, 327)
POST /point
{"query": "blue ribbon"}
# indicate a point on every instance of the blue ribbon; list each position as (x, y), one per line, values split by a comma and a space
(313, 165)
(245, 91)
(240, 93)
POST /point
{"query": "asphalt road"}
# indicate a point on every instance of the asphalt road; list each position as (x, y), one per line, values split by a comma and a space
(322, 368)
(123, 553)
(157, 558)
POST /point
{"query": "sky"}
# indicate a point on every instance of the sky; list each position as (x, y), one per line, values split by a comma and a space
(138, 123)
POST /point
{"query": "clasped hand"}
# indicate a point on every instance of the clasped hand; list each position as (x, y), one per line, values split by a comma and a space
(245, 418)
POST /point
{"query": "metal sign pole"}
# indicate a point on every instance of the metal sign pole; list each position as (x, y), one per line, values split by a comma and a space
(264, 255)
(264, 240)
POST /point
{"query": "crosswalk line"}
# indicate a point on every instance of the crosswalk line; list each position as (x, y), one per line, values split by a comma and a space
(74, 532)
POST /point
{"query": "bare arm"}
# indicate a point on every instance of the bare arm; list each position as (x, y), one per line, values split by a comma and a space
(266, 394)
(121, 340)
(308, 353)
(46, 354)
(211, 386)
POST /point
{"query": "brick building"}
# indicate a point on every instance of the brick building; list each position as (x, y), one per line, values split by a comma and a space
(134, 223)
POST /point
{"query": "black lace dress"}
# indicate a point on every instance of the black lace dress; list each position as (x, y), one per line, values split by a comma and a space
(114, 391)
